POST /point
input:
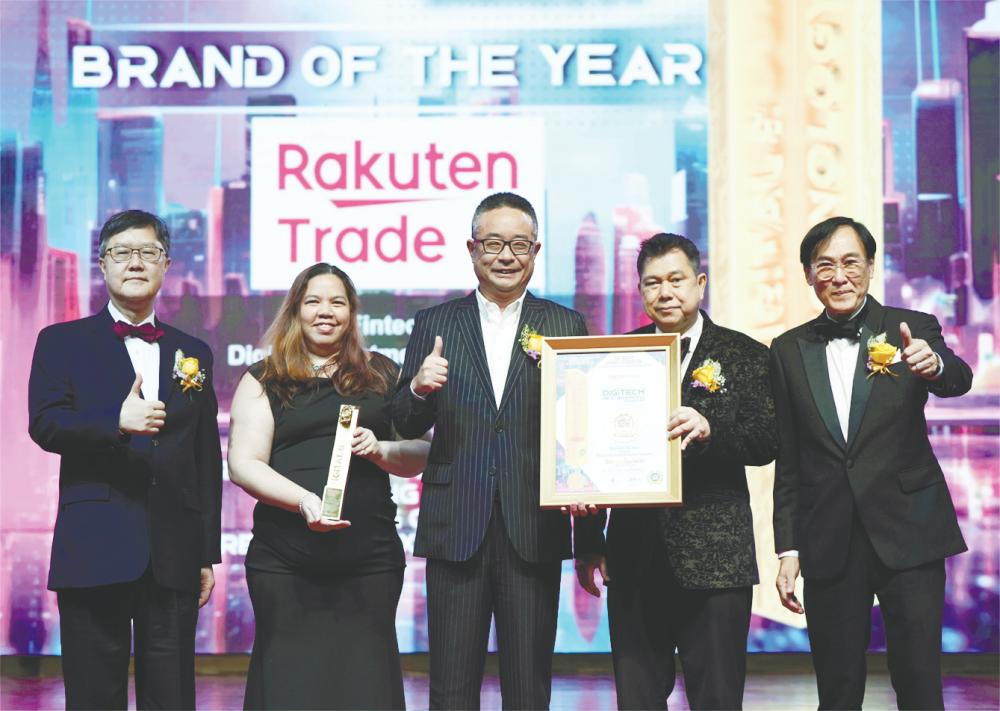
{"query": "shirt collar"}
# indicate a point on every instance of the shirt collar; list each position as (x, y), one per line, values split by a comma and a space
(117, 315)
(492, 312)
(694, 333)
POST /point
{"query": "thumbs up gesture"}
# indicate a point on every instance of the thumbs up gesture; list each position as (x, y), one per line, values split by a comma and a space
(138, 416)
(918, 355)
(905, 335)
(433, 373)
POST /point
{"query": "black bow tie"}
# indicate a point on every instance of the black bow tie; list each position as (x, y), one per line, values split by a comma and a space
(829, 330)
(685, 346)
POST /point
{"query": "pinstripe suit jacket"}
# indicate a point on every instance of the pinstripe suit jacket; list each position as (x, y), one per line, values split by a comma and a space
(479, 448)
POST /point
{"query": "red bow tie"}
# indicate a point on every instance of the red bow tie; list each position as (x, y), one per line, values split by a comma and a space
(147, 331)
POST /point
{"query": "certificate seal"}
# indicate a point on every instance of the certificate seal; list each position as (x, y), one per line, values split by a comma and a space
(624, 427)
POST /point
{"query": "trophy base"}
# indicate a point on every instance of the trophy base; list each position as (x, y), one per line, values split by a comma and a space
(333, 501)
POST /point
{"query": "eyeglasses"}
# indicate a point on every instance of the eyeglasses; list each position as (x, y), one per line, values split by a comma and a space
(852, 268)
(518, 247)
(124, 254)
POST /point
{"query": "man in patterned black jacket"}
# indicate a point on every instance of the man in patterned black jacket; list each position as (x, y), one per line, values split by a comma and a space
(682, 578)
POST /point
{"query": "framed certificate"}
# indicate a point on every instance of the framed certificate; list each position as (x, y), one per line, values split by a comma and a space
(605, 405)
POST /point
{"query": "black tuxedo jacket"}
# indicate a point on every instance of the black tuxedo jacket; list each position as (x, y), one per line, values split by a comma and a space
(885, 472)
(709, 540)
(478, 447)
(125, 502)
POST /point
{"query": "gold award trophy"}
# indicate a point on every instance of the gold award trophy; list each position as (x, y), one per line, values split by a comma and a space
(340, 461)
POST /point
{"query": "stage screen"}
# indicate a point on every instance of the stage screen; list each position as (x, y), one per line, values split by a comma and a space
(271, 137)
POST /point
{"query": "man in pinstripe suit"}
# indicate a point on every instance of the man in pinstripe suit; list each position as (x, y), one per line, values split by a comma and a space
(490, 550)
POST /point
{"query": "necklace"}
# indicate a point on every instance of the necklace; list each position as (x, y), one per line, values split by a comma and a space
(323, 367)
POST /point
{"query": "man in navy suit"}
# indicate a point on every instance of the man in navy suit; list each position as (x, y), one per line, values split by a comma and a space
(860, 501)
(127, 402)
(491, 552)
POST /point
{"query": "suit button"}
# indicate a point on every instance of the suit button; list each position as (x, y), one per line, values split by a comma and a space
(493, 471)
(156, 442)
(499, 428)
(850, 463)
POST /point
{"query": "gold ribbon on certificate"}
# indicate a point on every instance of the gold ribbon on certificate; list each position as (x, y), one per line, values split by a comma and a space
(340, 461)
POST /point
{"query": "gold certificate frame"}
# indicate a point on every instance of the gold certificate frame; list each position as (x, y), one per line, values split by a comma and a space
(606, 401)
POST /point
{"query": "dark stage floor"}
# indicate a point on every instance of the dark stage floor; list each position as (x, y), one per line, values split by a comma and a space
(581, 682)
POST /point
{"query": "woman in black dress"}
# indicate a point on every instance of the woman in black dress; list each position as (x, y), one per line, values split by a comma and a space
(324, 595)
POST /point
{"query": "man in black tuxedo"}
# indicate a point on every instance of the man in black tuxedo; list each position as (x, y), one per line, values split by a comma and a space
(491, 552)
(859, 497)
(682, 578)
(127, 403)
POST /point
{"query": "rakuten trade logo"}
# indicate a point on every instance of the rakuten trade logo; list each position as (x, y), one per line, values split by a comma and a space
(389, 201)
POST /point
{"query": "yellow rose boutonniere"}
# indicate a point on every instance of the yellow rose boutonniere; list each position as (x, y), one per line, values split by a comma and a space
(187, 372)
(709, 376)
(881, 354)
(531, 343)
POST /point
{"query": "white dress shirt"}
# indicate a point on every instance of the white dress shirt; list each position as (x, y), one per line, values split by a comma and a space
(694, 333)
(499, 332)
(841, 360)
(145, 356)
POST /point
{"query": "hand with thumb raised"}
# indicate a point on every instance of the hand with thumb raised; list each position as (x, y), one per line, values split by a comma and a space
(138, 416)
(904, 333)
(433, 373)
(918, 355)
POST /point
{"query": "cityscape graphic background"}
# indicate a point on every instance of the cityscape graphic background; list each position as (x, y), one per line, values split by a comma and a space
(621, 163)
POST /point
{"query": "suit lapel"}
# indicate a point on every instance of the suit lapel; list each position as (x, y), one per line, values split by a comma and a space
(813, 351)
(111, 352)
(120, 363)
(532, 315)
(705, 342)
(168, 346)
(862, 388)
(471, 332)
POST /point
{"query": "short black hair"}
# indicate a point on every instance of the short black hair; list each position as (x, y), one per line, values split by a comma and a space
(498, 200)
(819, 233)
(663, 242)
(132, 219)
